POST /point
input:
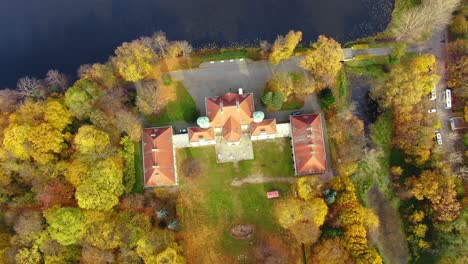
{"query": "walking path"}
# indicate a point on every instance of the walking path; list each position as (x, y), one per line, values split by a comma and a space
(260, 179)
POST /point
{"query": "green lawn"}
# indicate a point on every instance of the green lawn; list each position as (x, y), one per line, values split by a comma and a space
(210, 202)
(182, 109)
(138, 186)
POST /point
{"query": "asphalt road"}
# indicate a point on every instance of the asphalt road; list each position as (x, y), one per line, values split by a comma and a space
(220, 77)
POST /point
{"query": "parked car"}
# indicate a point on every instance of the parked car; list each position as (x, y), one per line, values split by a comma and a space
(433, 110)
(433, 94)
(183, 130)
(438, 137)
(295, 113)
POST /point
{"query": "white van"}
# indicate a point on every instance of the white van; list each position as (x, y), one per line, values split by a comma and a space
(448, 99)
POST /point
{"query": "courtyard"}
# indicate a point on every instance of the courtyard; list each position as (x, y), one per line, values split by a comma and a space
(209, 206)
(234, 153)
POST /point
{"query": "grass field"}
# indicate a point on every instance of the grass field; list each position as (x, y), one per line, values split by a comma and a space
(138, 186)
(209, 206)
(182, 109)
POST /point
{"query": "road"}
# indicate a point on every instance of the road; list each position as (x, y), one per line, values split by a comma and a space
(437, 45)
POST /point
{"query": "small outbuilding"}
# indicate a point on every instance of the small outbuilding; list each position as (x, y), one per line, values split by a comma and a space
(273, 194)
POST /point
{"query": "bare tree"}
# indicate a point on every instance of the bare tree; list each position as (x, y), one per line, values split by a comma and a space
(462, 173)
(452, 136)
(8, 100)
(160, 42)
(185, 47)
(30, 87)
(455, 157)
(430, 15)
(84, 69)
(265, 46)
(56, 79)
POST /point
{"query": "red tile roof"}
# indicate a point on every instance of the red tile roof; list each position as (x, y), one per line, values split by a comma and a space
(308, 144)
(267, 126)
(158, 156)
(197, 134)
(230, 111)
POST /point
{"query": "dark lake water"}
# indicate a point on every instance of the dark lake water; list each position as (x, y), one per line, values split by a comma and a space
(37, 35)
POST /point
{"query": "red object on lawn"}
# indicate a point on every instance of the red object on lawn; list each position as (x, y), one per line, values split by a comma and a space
(273, 194)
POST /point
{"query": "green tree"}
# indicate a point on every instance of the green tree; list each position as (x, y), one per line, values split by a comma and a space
(277, 101)
(82, 97)
(267, 99)
(66, 225)
(127, 153)
(284, 47)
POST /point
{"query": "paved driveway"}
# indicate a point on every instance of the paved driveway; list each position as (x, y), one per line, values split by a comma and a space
(218, 78)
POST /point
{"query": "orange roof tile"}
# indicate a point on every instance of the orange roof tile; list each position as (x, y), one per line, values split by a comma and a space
(267, 126)
(197, 134)
(228, 111)
(308, 144)
(158, 156)
(232, 130)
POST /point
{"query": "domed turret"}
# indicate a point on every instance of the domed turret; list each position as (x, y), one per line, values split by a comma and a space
(203, 122)
(258, 116)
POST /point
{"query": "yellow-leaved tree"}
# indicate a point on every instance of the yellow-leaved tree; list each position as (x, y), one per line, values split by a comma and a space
(133, 61)
(323, 60)
(284, 46)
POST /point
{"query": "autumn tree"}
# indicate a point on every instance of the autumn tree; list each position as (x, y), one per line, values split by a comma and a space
(66, 224)
(403, 91)
(36, 131)
(28, 228)
(151, 244)
(92, 255)
(459, 25)
(284, 46)
(280, 82)
(352, 219)
(28, 256)
(101, 230)
(133, 61)
(170, 255)
(56, 193)
(103, 74)
(300, 216)
(146, 96)
(440, 190)
(323, 60)
(458, 67)
(92, 143)
(330, 251)
(101, 190)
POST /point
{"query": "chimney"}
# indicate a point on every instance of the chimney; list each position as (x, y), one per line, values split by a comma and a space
(237, 105)
(221, 106)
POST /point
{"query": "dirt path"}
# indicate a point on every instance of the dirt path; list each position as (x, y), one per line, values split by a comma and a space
(260, 179)
(390, 236)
